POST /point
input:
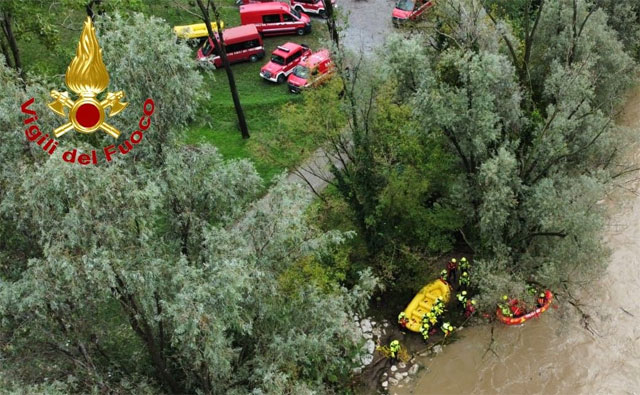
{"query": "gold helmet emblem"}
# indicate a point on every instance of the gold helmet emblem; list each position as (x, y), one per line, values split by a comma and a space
(87, 76)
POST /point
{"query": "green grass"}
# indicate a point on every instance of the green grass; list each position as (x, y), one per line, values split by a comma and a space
(262, 102)
(272, 148)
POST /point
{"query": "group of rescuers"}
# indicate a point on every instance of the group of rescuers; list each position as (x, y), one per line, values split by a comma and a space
(508, 307)
(429, 320)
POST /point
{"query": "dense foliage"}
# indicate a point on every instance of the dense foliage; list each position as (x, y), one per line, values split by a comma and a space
(152, 273)
(492, 129)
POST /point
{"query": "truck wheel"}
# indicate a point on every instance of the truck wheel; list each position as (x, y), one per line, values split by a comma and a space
(281, 78)
(253, 58)
(300, 32)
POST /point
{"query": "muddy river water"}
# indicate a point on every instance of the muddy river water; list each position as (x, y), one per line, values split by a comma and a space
(555, 354)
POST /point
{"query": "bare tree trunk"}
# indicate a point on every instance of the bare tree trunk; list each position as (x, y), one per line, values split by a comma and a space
(5, 52)
(219, 44)
(13, 44)
(331, 22)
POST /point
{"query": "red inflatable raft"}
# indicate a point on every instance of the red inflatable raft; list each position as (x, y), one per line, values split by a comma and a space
(548, 298)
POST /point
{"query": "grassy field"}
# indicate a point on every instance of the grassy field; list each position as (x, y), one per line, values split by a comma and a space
(272, 148)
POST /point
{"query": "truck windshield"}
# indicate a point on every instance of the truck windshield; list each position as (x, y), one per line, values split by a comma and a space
(405, 5)
(301, 72)
(295, 12)
(208, 49)
(277, 59)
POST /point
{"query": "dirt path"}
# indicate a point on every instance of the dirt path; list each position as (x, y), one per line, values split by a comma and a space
(555, 354)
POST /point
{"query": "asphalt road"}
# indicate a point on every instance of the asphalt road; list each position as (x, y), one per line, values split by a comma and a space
(368, 23)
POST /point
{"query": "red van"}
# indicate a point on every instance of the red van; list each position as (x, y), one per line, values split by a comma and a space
(315, 7)
(409, 10)
(283, 60)
(242, 43)
(310, 6)
(312, 71)
(275, 18)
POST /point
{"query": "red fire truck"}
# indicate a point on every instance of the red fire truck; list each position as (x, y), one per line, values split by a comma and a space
(312, 71)
(315, 7)
(409, 10)
(241, 43)
(275, 18)
(283, 60)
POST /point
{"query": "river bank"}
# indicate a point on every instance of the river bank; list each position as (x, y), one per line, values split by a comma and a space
(556, 354)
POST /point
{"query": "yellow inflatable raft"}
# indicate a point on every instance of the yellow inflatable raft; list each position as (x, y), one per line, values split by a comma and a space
(422, 302)
(197, 30)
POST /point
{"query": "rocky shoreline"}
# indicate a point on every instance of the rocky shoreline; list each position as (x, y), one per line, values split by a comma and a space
(377, 373)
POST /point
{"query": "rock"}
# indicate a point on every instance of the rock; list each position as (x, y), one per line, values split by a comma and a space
(393, 381)
(394, 368)
(385, 324)
(385, 384)
(377, 332)
(384, 375)
(404, 374)
(402, 365)
(398, 376)
(414, 369)
(370, 346)
(357, 370)
(367, 335)
(437, 349)
(367, 359)
(366, 325)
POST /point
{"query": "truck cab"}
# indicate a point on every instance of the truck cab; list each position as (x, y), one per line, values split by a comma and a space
(283, 60)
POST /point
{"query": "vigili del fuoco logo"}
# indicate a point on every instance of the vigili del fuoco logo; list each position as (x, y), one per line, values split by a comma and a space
(87, 77)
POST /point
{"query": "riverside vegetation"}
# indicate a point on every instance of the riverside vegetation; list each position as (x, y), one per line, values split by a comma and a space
(486, 129)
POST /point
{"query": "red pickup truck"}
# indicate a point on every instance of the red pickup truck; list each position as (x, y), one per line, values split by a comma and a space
(312, 71)
(283, 60)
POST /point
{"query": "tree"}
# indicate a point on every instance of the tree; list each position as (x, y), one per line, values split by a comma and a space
(534, 156)
(130, 276)
(167, 74)
(392, 179)
(219, 44)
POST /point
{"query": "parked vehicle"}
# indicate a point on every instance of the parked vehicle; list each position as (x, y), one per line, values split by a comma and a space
(310, 6)
(197, 30)
(275, 18)
(409, 10)
(241, 43)
(315, 7)
(283, 60)
(312, 71)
